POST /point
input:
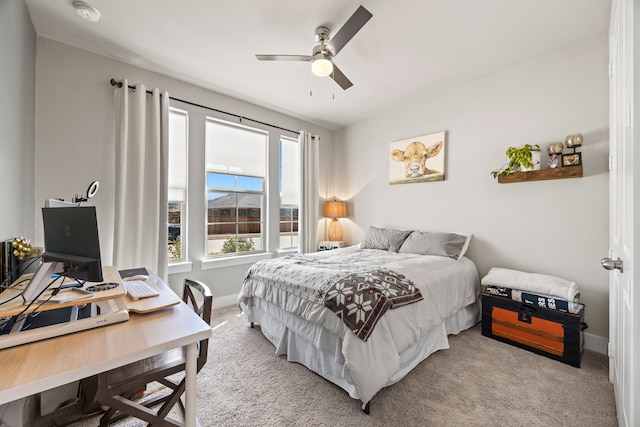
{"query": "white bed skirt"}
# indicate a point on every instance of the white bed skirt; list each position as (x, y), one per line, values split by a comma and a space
(320, 350)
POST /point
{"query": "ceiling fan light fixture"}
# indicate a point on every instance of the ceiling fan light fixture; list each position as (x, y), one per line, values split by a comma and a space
(321, 66)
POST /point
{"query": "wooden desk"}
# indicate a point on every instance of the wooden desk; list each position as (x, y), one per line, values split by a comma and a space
(33, 368)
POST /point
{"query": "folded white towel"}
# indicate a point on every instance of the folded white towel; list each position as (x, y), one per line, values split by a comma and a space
(532, 282)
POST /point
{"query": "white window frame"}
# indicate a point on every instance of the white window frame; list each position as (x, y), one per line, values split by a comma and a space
(196, 219)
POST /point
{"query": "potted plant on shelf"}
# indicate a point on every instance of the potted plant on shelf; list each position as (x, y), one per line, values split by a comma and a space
(523, 159)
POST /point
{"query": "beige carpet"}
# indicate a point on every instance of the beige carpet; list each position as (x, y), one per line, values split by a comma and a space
(477, 382)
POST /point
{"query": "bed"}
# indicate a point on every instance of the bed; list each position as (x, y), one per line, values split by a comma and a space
(364, 316)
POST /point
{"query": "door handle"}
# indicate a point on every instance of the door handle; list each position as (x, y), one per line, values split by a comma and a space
(610, 264)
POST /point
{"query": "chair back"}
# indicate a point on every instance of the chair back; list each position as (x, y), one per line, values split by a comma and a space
(198, 296)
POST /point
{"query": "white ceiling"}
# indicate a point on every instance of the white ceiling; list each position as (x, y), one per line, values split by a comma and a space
(409, 47)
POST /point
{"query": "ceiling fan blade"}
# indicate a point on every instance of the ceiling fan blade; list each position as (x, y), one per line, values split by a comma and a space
(284, 57)
(340, 78)
(349, 29)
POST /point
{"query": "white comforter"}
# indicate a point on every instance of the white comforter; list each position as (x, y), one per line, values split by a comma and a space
(447, 285)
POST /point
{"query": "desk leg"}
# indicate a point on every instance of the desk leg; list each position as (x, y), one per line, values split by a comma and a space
(190, 386)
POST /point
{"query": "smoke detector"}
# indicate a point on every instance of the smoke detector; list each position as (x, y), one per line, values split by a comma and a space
(87, 11)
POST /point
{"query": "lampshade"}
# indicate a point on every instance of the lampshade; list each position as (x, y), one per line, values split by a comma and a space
(335, 209)
(322, 65)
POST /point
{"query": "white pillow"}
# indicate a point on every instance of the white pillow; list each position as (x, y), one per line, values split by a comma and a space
(466, 244)
(452, 245)
(386, 239)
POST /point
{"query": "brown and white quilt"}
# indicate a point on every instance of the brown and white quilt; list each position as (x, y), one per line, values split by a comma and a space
(358, 295)
(361, 299)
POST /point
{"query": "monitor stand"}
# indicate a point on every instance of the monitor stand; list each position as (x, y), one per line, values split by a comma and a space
(40, 281)
(62, 321)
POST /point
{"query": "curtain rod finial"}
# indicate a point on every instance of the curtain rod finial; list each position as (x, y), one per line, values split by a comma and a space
(115, 83)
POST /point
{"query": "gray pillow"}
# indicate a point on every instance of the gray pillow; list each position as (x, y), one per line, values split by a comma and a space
(383, 238)
(431, 243)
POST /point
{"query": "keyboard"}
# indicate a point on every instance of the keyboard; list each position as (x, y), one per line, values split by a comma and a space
(138, 289)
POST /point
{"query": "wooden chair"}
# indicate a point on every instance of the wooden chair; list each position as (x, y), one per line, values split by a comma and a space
(117, 388)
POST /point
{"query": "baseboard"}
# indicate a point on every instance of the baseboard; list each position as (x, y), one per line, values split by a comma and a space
(596, 343)
(225, 301)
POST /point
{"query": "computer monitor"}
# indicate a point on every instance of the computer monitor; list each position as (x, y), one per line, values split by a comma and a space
(72, 248)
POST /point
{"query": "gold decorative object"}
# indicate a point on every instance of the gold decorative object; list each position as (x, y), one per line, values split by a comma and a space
(555, 147)
(574, 140)
(21, 248)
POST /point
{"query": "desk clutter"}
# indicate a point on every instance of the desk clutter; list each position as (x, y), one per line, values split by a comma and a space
(79, 306)
(536, 312)
(63, 314)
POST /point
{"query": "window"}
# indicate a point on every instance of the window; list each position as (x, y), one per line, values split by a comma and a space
(236, 166)
(245, 178)
(289, 193)
(178, 137)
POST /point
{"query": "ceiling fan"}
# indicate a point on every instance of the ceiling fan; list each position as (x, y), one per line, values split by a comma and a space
(322, 54)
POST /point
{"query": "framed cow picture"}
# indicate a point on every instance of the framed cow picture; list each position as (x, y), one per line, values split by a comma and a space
(418, 159)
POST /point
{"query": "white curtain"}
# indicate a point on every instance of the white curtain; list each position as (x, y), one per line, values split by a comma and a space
(140, 220)
(309, 173)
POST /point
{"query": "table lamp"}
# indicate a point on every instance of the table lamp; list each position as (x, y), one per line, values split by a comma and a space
(335, 209)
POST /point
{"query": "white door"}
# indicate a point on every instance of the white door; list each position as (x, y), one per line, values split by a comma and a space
(624, 347)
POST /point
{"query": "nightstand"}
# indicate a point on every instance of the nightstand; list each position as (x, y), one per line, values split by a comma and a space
(327, 245)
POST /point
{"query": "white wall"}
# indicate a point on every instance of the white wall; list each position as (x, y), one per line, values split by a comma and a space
(75, 138)
(555, 227)
(17, 120)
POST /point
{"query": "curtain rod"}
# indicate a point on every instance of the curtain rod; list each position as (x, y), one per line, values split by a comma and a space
(114, 82)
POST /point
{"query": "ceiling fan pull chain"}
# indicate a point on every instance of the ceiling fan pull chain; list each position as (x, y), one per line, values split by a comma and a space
(333, 76)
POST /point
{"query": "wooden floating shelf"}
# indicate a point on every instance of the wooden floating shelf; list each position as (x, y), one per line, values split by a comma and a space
(542, 175)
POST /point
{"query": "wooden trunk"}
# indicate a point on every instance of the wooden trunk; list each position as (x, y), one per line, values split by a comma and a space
(556, 334)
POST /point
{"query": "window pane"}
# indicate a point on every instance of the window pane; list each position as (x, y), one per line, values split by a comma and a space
(289, 193)
(250, 183)
(235, 150)
(220, 180)
(177, 180)
(234, 222)
(289, 172)
(175, 231)
(177, 162)
(234, 182)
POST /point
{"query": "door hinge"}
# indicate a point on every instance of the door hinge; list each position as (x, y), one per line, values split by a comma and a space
(610, 69)
(610, 349)
(611, 163)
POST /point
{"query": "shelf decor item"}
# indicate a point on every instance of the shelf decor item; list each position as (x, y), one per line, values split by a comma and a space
(555, 147)
(573, 159)
(555, 154)
(21, 247)
(525, 158)
(574, 141)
